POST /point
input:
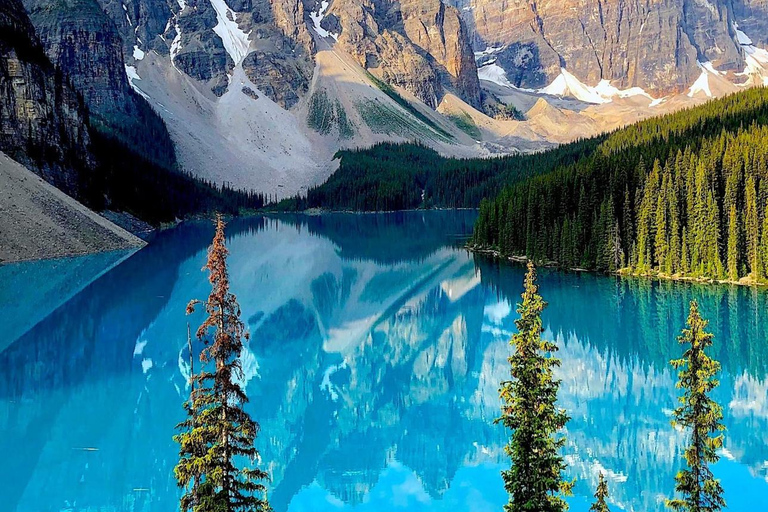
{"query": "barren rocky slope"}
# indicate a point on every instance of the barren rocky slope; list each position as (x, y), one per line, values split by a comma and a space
(39, 221)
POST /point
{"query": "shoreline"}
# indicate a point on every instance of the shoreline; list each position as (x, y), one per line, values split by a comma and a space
(323, 211)
(744, 281)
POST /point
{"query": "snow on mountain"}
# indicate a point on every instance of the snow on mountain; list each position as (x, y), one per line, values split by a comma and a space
(568, 85)
(607, 91)
(741, 37)
(317, 19)
(133, 76)
(493, 73)
(490, 50)
(701, 85)
(565, 85)
(755, 57)
(235, 40)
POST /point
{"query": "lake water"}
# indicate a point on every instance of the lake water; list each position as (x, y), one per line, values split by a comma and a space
(377, 349)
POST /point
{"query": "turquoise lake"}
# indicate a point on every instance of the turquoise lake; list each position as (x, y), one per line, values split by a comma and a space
(377, 348)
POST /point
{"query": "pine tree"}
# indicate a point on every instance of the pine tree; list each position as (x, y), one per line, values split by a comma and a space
(600, 496)
(733, 247)
(752, 227)
(217, 429)
(762, 253)
(534, 481)
(700, 414)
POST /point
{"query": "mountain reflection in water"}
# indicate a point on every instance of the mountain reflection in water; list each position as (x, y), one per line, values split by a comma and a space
(377, 349)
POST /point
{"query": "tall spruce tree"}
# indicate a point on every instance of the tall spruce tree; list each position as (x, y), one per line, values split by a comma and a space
(601, 494)
(217, 430)
(529, 409)
(702, 416)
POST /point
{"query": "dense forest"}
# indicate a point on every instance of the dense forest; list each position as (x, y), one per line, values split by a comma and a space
(392, 176)
(684, 195)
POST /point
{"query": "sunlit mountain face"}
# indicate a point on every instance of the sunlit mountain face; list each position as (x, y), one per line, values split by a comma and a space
(377, 348)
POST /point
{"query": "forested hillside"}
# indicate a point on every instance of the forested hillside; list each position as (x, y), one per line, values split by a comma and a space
(392, 176)
(685, 194)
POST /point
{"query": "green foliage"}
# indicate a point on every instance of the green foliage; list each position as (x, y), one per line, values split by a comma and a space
(466, 124)
(405, 104)
(321, 116)
(365, 178)
(346, 128)
(384, 118)
(600, 496)
(534, 480)
(126, 181)
(697, 211)
(324, 115)
(702, 416)
(218, 431)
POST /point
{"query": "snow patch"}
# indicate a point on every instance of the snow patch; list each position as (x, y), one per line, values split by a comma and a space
(126, 15)
(608, 91)
(568, 85)
(146, 365)
(132, 75)
(702, 83)
(742, 38)
(493, 73)
(235, 40)
(658, 101)
(490, 50)
(176, 44)
(130, 71)
(138, 53)
(317, 18)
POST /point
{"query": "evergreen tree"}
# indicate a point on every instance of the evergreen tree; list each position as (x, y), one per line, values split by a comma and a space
(752, 228)
(217, 430)
(600, 496)
(702, 416)
(733, 247)
(534, 481)
(673, 217)
(763, 249)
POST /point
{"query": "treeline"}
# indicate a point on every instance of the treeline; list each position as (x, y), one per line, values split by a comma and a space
(135, 183)
(683, 195)
(391, 176)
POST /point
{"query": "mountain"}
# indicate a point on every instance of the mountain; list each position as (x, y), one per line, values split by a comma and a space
(660, 46)
(261, 95)
(43, 121)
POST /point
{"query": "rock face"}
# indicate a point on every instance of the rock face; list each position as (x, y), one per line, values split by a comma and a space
(282, 79)
(421, 46)
(42, 120)
(280, 62)
(83, 42)
(438, 30)
(207, 39)
(654, 45)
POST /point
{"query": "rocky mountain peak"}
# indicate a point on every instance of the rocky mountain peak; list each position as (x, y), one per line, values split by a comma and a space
(655, 45)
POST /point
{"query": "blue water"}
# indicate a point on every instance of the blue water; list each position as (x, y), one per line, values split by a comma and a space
(377, 348)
